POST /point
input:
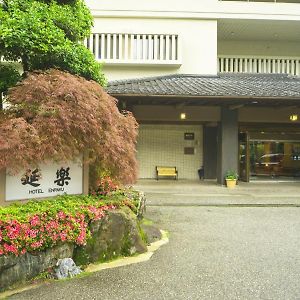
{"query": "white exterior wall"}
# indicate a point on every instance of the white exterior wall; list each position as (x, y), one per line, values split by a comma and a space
(259, 48)
(137, 6)
(198, 40)
(205, 9)
(163, 145)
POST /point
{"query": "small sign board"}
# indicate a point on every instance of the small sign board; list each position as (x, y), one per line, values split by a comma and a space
(189, 136)
(189, 150)
(47, 180)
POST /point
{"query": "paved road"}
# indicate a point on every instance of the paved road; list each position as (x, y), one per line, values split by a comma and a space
(213, 253)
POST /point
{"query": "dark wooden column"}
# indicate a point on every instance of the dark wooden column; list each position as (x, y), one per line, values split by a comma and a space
(227, 143)
(210, 152)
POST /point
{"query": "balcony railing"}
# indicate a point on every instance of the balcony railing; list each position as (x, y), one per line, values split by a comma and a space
(247, 64)
(148, 49)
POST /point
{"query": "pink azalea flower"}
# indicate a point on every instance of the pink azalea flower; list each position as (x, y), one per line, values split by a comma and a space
(10, 248)
(35, 221)
(36, 245)
(61, 215)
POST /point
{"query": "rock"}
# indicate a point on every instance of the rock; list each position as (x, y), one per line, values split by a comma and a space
(142, 205)
(153, 234)
(117, 234)
(66, 268)
(21, 268)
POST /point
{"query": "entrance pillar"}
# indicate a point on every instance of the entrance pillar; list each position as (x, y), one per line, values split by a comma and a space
(227, 158)
(210, 151)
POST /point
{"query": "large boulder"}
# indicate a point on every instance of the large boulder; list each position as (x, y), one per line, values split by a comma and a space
(117, 234)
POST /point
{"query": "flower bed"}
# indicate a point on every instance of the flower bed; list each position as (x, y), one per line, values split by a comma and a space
(39, 225)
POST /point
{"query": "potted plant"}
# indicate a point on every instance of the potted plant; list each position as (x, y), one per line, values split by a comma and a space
(231, 177)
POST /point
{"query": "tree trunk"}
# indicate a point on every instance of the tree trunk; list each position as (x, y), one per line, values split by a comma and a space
(1, 101)
(25, 63)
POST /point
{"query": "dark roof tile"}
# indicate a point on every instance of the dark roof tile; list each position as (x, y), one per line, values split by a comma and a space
(222, 85)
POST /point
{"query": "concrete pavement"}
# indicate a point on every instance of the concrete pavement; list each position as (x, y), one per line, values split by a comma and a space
(189, 193)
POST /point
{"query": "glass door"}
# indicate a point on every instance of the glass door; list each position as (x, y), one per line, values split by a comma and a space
(273, 159)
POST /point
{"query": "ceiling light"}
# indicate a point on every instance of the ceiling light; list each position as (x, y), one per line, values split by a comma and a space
(293, 118)
(182, 116)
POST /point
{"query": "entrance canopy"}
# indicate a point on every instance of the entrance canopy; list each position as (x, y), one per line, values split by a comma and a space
(219, 107)
(224, 88)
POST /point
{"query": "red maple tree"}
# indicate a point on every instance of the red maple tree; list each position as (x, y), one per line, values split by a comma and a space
(58, 116)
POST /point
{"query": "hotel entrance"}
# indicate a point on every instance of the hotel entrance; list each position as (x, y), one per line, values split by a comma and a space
(269, 154)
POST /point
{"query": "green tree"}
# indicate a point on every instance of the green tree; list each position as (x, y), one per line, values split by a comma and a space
(9, 76)
(43, 34)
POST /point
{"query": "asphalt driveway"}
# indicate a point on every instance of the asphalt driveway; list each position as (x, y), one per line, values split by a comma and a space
(214, 253)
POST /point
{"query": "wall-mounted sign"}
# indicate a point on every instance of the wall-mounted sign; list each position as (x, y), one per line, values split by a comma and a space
(47, 180)
(189, 136)
(189, 150)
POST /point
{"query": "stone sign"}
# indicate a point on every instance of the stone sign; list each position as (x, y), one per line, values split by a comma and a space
(47, 180)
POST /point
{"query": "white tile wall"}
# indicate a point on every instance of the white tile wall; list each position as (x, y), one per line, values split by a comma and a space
(163, 145)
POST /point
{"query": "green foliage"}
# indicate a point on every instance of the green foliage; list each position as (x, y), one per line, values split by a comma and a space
(104, 185)
(36, 226)
(67, 203)
(48, 34)
(231, 175)
(81, 257)
(43, 275)
(126, 245)
(143, 234)
(9, 76)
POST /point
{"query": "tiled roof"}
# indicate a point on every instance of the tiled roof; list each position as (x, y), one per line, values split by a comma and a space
(222, 85)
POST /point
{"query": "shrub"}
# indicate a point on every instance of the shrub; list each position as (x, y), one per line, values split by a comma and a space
(104, 186)
(38, 225)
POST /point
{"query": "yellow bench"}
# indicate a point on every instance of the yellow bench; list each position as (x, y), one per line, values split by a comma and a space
(166, 172)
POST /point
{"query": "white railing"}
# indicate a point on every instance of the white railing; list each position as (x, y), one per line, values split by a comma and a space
(122, 48)
(250, 64)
